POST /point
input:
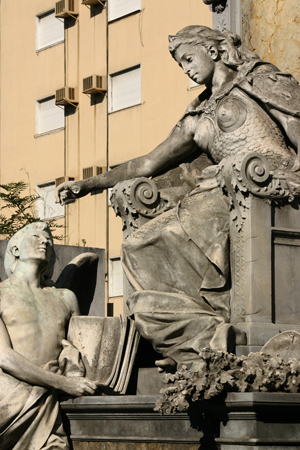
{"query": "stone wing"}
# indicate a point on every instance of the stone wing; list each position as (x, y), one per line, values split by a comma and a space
(80, 276)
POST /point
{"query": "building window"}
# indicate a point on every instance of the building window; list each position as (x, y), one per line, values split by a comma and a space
(46, 208)
(49, 117)
(115, 277)
(193, 84)
(49, 30)
(120, 8)
(125, 89)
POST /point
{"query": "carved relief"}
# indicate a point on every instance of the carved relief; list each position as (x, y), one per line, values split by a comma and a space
(136, 201)
(270, 370)
(226, 15)
(246, 173)
(218, 6)
(237, 304)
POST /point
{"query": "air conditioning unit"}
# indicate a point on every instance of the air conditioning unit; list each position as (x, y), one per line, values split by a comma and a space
(66, 96)
(66, 8)
(60, 180)
(92, 171)
(93, 2)
(94, 84)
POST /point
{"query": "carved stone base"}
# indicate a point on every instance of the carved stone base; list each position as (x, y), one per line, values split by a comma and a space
(132, 446)
(126, 419)
(261, 420)
(245, 421)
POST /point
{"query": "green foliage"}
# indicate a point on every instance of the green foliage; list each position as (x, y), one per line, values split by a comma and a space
(18, 210)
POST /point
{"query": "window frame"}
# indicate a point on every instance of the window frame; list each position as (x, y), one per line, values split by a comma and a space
(38, 116)
(110, 88)
(115, 290)
(40, 198)
(111, 17)
(38, 17)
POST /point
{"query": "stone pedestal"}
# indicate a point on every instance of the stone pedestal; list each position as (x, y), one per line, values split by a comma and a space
(265, 267)
(260, 420)
(247, 421)
(264, 248)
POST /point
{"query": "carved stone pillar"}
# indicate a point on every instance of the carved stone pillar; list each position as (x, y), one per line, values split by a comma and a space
(227, 15)
(265, 248)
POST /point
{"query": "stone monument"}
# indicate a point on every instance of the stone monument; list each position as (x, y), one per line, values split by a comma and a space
(211, 241)
(178, 264)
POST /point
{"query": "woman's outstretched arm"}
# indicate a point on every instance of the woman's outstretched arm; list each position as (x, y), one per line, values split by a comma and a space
(178, 144)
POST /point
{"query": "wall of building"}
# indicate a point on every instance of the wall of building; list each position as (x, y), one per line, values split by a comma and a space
(27, 75)
(271, 29)
(91, 136)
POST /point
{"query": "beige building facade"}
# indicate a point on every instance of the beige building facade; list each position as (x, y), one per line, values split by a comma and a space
(118, 44)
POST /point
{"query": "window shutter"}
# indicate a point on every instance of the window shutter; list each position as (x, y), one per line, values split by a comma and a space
(115, 287)
(50, 30)
(46, 208)
(50, 117)
(119, 8)
(125, 89)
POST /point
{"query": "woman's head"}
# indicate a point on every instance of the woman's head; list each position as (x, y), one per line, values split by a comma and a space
(226, 45)
(42, 231)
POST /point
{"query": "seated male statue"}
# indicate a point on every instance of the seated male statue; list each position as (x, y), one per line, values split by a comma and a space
(32, 330)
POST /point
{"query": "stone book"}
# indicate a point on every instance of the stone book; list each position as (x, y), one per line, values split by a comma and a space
(108, 347)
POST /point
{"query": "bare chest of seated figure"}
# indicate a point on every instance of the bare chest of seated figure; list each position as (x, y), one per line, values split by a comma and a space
(35, 319)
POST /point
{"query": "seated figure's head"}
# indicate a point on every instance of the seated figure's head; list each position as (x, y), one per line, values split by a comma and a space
(197, 39)
(35, 241)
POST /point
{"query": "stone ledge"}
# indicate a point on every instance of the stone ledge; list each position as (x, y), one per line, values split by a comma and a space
(109, 403)
(261, 399)
(242, 421)
(127, 419)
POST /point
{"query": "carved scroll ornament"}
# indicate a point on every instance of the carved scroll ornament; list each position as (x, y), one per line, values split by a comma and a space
(136, 201)
(249, 173)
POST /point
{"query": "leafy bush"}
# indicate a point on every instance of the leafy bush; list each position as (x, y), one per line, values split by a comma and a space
(18, 210)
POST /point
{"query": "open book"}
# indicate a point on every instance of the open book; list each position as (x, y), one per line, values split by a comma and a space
(108, 346)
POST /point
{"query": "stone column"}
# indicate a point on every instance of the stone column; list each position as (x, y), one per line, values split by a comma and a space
(227, 15)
